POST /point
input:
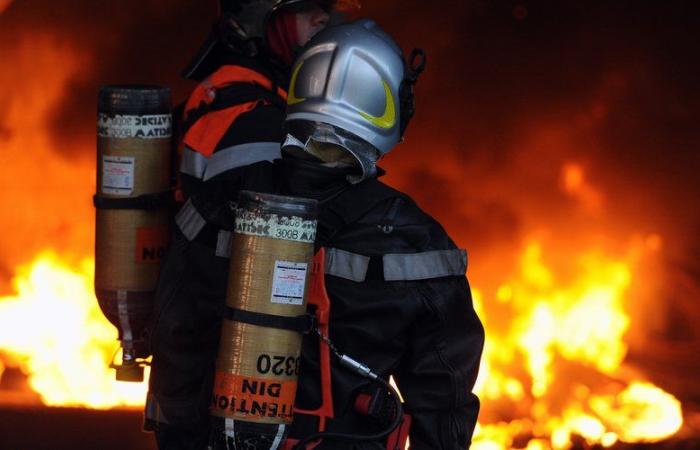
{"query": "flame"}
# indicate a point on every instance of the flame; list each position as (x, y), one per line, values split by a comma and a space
(554, 361)
(51, 326)
(54, 329)
(558, 362)
(46, 185)
(576, 185)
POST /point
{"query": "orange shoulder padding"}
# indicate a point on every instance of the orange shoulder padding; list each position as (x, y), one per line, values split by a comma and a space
(206, 133)
(226, 75)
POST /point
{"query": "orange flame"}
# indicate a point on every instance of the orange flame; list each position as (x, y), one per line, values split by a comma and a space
(554, 362)
(52, 327)
(55, 330)
(576, 185)
(45, 186)
(558, 361)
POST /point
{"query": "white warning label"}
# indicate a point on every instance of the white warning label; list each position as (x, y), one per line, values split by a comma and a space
(288, 228)
(288, 283)
(154, 126)
(118, 175)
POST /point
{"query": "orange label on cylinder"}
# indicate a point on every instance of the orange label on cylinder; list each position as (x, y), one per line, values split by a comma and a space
(150, 244)
(252, 398)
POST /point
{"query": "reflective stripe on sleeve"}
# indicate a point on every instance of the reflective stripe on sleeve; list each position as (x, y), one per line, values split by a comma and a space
(239, 156)
(190, 221)
(223, 244)
(278, 438)
(398, 266)
(343, 264)
(193, 163)
(425, 265)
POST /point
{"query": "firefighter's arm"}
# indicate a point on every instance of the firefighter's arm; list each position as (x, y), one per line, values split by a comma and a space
(248, 137)
(439, 370)
(211, 181)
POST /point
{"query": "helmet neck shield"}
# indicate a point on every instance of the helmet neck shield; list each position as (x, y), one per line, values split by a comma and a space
(305, 135)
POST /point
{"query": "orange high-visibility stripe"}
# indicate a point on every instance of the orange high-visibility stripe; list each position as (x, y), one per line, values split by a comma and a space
(225, 76)
(206, 133)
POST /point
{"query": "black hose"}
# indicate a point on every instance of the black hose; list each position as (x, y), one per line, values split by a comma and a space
(362, 437)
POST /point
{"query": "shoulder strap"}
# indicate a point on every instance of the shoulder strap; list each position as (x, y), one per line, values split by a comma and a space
(229, 86)
(228, 96)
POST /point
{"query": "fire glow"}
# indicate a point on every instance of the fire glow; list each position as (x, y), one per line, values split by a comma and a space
(554, 365)
(582, 324)
(557, 362)
(54, 330)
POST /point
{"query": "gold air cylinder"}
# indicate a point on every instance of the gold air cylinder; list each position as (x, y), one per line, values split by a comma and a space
(256, 371)
(134, 130)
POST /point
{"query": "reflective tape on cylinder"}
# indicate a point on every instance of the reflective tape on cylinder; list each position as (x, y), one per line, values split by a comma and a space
(256, 372)
(134, 129)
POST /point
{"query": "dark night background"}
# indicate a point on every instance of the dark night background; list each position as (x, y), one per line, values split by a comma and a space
(513, 91)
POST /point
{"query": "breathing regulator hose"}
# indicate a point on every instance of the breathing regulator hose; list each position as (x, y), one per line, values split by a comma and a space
(363, 371)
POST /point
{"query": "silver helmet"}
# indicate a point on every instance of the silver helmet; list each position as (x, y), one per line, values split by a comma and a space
(352, 79)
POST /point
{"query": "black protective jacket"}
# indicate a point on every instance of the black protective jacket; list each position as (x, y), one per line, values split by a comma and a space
(185, 324)
(400, 303)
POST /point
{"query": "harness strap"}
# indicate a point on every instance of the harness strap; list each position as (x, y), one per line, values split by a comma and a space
(227, 75)
(223, 244)
(218, 101)
(146, 202)
(234, 94)
(189, 220)
(303, 324)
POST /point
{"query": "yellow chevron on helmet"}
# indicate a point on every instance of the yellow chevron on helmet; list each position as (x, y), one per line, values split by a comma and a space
(349, 77)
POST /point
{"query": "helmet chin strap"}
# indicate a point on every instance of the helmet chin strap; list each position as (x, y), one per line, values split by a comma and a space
(414, 68)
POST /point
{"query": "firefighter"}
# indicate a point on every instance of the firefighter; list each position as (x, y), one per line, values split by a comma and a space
(233, 118)
(399, 300)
